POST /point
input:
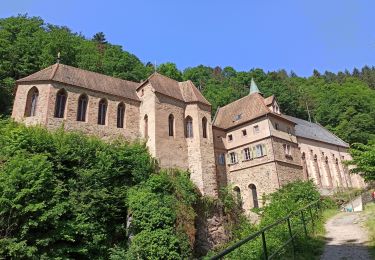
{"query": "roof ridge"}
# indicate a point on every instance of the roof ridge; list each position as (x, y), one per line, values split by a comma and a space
(54, 70)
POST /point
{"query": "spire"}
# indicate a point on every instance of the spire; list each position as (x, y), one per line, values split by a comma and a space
(253, 87)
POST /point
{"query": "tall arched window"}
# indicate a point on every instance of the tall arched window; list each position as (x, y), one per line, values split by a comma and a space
(60, 103)
(146, 126)
(204, 127)
(254, 195)
(237, 192)
(102, 111)
(120, 115)
(82, 108)
(189, 127)
(171, 125)
(31, 102)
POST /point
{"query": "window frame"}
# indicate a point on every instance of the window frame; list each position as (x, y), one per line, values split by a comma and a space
(102, 111)
(81, 115)
(60, 103)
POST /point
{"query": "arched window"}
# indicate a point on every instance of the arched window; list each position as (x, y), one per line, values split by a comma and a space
(189, 127)
(303, 156)
(120, 115)
(102, 111)
(82, 108)
(237, 192)
(315, 157)
(32, 102)
(170, 125)
(60, 103)
(254, 195)
(146, 126)
(204, 127)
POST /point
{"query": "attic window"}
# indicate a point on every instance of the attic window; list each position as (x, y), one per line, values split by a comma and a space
(237, 117)
(244, 132)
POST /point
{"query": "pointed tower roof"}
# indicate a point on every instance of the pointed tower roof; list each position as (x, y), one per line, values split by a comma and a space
(253, 87)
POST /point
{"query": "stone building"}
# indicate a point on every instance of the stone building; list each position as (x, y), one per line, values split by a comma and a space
(250, 144)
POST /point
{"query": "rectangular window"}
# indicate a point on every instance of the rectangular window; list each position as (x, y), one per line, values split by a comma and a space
(276, 126)
(259, 150)
(244, 132)
(256, 129)
(233, 157)
(288, 130)
(230, 138)
(221, 159)
(287, 150)
(246, 154)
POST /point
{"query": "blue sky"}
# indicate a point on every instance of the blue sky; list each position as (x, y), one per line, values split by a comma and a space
(297, 35)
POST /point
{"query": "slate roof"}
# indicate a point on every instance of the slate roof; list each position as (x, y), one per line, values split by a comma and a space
(240, 111)
(184, 91)
(315, 131)
(85, 79)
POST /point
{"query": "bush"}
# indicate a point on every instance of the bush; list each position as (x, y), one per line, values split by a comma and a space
(67, 195)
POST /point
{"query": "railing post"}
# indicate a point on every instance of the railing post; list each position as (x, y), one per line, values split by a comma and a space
(291, 236)
(304, 223)
(265, 254)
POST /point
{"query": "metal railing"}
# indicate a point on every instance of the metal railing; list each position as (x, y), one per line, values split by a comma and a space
(313, 210)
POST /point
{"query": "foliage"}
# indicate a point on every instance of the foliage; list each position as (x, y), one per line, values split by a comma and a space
(343, 102)
(369, 212)
(364, 160)
(65, 195)
(289, 198)
(159, 206)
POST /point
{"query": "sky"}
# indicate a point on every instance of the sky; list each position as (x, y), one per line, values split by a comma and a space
(295, 35)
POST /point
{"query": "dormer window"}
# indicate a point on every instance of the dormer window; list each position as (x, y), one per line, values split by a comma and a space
(237, 117)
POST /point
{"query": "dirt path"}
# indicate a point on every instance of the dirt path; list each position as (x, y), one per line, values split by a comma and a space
(346, 238)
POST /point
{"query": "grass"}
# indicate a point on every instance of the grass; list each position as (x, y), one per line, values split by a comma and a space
(370, 225)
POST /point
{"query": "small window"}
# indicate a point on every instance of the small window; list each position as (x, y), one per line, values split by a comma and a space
(246, 154)
(276, 126)
(145, 122)
(303, 156)
(171, 125)
(233, 157)
(142, 92)
(256, 129)
(288, 130)
(287, 150)
(221, 159)
(244, 132)
(230, 138)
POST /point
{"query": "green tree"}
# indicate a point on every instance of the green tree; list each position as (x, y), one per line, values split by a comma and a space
(364, 161)
(170, 70)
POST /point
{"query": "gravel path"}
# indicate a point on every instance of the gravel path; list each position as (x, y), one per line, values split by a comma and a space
(346, 238)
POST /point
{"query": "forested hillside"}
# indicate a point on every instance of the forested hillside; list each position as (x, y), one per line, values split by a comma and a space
(343, 102)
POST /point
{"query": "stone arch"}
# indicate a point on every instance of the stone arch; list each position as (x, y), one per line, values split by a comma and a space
(61, 97)
(32, 102)
(82, 107)
(254, 195)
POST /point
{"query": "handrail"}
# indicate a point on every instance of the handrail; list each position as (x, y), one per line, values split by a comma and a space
(263, 230)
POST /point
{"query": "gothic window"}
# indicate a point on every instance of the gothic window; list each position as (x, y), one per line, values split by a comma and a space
(189, 127)
(204, 127)
(171, 125)
(32, 102)
(254, 195)
(102, 112)
(82, 108)
(145, 119)
(120, 115)
(60, 103)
